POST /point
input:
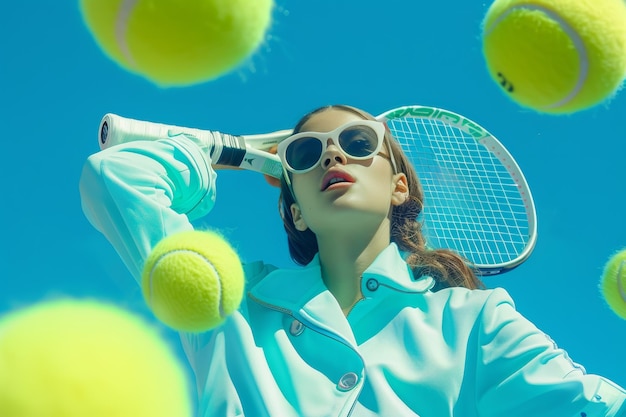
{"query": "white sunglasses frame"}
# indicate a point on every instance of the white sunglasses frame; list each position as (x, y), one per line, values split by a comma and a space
(333, 135)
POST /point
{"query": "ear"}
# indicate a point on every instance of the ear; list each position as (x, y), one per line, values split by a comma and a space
(296, 215)
(400, 189)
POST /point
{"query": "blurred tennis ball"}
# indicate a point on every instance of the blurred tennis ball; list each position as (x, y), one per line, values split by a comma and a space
(556, 56)
(613, 283)
(70, 358)
(174, 42)
(193, 280)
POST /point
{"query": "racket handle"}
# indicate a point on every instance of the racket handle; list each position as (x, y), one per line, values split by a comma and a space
(115, 130)
(222, 149)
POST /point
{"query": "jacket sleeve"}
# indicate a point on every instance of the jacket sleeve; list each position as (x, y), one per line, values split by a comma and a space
(521, 372)
(139, 192)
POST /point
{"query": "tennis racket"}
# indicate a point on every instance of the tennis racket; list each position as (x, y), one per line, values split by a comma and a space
(478, 202)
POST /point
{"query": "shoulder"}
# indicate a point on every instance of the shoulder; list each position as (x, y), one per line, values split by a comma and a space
(256, 271)
(472, 306)
(475, 299)
(493, 316)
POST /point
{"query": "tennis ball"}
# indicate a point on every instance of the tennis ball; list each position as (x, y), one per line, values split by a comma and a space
(71, 358)
(556, 56)
(175, 42)
(613, 283)
(193, 280)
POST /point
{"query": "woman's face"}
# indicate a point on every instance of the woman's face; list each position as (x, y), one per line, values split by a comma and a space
(364, 192)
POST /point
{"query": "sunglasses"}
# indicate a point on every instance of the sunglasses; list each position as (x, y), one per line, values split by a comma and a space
(359, 140)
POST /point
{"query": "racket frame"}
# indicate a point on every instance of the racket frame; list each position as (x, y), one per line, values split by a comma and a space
(493, 145)
(250, 152)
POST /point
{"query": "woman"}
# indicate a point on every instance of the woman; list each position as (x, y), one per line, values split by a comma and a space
(374, 324)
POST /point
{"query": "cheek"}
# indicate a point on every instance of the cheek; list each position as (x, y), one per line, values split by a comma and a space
(304, 186)
(382, 177)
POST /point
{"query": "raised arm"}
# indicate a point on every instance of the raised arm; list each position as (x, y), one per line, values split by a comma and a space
(137, 193)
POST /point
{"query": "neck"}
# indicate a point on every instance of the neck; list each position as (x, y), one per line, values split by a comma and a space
(345, 256)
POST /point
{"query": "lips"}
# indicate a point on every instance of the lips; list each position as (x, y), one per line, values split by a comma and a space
(334, 177)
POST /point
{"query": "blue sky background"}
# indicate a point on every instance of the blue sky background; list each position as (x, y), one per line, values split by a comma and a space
(56, 85)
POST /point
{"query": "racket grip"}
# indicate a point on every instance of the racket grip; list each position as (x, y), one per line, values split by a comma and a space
(115, 130)
(222, 149)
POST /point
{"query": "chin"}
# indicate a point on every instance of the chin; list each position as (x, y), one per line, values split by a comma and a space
(344, 216)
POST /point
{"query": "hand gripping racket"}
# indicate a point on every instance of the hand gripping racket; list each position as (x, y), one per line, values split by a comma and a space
(477, 200)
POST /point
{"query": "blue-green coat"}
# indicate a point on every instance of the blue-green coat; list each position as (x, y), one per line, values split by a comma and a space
(289, 350)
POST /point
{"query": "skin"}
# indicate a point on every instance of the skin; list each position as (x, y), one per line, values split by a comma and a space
(351, 221)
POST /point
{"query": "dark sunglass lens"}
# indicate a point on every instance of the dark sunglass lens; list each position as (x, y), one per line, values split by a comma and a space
(358, 141)
(303, 153)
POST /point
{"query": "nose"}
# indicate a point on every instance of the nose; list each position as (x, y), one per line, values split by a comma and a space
(332, 155)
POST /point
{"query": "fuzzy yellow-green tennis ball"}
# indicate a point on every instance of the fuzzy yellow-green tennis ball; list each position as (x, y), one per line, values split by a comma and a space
(556, 56)
(613, 283)
(178, 42)
(193, 280)
(71, 358)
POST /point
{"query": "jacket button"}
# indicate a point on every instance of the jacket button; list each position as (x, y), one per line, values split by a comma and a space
(348, 381)
(296, 328)
(372, 284)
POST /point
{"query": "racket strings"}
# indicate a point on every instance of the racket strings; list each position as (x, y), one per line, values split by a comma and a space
(472, 202)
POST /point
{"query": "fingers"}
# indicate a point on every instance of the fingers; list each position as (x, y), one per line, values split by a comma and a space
(274, 182)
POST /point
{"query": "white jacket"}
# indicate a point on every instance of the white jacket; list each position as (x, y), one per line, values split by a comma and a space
(290, 351)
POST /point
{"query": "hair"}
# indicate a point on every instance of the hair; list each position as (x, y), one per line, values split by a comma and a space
(448, 268)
